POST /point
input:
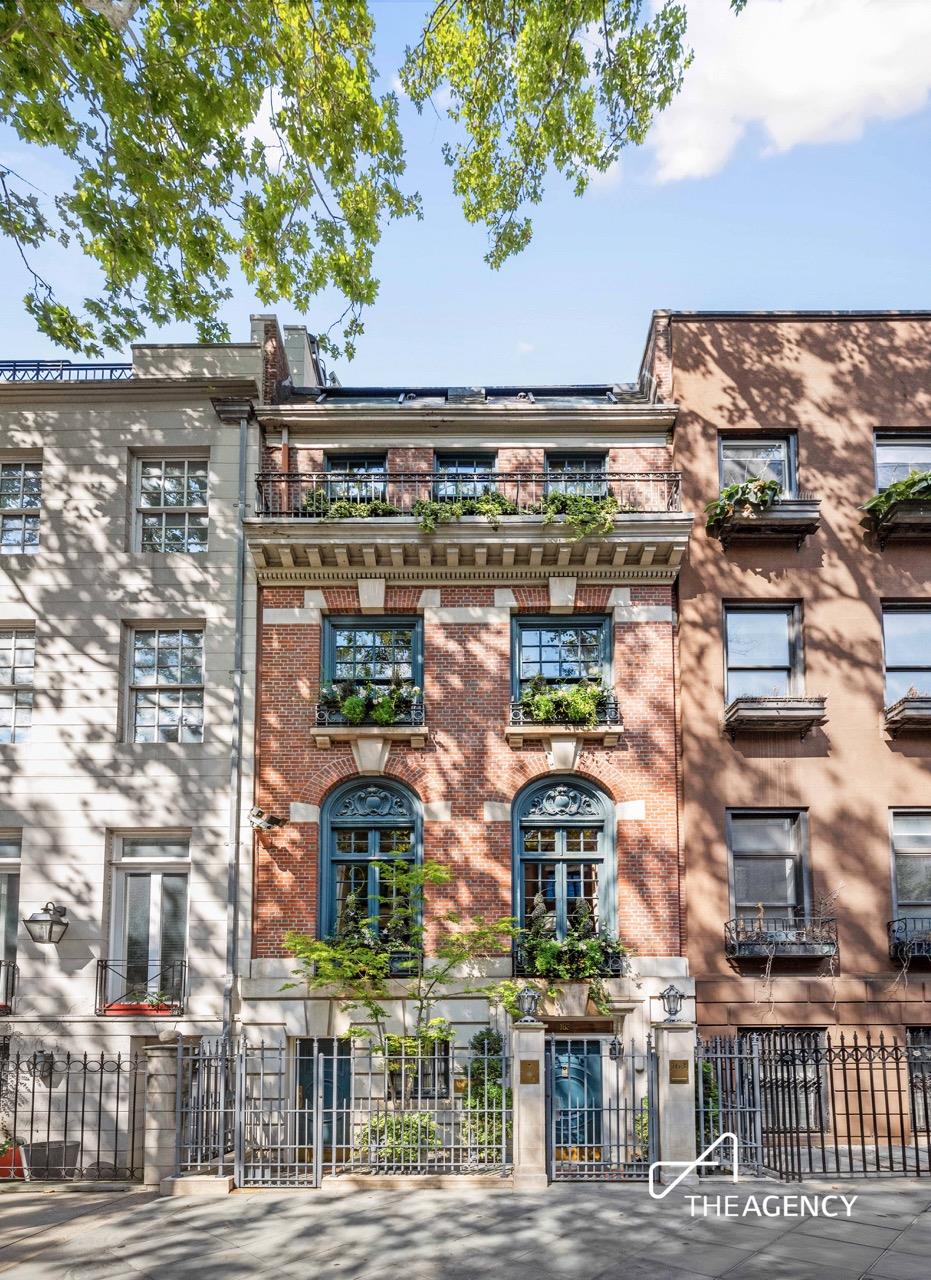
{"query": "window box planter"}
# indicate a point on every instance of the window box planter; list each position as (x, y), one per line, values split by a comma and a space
(562, 740)
(911, 714)
(331, 727)
(774, 715)
(799, 937)
(140, 1009)
(910, 938)
(786, 520)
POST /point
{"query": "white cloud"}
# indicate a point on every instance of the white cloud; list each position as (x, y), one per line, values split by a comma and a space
(801, 71)
(525, 348)
(607, 181)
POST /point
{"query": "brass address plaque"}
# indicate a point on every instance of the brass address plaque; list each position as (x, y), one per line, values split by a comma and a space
(529, 1071)
(678, 1070)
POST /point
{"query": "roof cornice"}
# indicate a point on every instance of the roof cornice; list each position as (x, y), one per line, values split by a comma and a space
(55, 393)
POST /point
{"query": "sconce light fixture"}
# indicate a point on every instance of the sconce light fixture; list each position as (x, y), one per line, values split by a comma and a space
(48, 925)
(672, 1000)
(527, 1000)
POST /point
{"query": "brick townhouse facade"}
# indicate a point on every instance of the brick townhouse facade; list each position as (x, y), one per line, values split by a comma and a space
(468, 612)
(804, 634)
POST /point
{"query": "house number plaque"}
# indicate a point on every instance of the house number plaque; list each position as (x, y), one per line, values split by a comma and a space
(529, 1071)
(678, 1070)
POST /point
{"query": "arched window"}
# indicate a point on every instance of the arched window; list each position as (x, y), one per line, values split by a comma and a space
(563, 855)
(367, 828)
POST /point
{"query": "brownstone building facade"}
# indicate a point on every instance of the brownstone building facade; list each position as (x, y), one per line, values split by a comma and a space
(804, 633)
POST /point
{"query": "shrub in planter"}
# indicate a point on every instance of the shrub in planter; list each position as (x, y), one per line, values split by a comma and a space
(583, 516)
(577, 704)
(353, 709)
(316, 503)
(915, 487)
(753, 495)
(402, 1137)
(492, 506)
(585, 954)
(356, 703)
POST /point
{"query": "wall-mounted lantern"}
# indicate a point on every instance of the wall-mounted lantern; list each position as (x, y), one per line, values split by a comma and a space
(48, 925)
(672, 1000)
(527, 1000)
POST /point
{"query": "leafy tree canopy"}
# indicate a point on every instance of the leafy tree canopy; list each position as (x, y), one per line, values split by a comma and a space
(154, 106)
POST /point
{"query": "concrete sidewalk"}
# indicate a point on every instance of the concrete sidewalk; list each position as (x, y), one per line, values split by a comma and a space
(586, 1232)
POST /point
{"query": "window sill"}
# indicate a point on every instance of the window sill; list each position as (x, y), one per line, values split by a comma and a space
(787, 520)
(909, 715)
(774, 715)
(607, 735)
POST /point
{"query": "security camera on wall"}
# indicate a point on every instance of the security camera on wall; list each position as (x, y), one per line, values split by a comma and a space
(263, 821)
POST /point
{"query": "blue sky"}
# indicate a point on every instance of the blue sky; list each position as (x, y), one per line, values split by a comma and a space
(792, 172)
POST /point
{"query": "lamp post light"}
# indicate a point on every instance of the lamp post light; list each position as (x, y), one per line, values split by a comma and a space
(527, 1000)
(47, 926)
(672, 1000)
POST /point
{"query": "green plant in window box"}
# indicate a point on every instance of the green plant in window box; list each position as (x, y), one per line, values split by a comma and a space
(343, 509)
(745, 499)
(316, 503)
(360, 702)
(579, 704)
(916, 487)
(432, 512)
(583, 516)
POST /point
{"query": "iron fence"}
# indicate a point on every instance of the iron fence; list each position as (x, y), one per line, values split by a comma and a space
(803, 1105)
(601, 1109)
(328, 1107)
(62, 371)
(348, 494)
(411, 713)
(71, 1117)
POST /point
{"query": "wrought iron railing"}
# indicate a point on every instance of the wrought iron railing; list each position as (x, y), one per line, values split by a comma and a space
(72, 1117)
(346, 495)
(608, 714)
(125, 987)
(327, 716)
(7, 984)
(616, 964)
(752, 937)
(62, 371)
(910, 938)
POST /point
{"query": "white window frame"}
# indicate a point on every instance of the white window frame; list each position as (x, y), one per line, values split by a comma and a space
(788, 442)
(121, 868)
(132, 687)
(21, 512)
(143, 460)
(16, 688)
(901, 849)
(907, 438)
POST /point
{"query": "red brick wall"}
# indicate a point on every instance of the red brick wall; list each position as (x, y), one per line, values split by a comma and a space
(468, 761)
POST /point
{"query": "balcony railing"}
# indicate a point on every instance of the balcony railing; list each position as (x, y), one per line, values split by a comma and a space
(325, 716)
(759, 938)
(910, 938)
(124, 987)
(7, 984)
(339, 495)
(62, 371)
(608, 714)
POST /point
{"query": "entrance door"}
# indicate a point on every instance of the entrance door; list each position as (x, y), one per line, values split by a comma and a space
(330, 1111)
(577, 1099)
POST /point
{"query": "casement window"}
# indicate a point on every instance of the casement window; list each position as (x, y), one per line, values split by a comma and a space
(171, 505)
(744, 458)
(166, 690)
(368, 828)
(560, 652)
(763, 651)
(577, 473)
(150, 907)
(20, 501)
(898, 456)
(10, 853)
(463, 475)
(562, 868)
(357, 477)
(911, 856)
(768, 857)
(907, 644)
(17, 659)
(389, 651)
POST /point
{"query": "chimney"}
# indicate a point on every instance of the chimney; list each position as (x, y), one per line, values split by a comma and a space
(303, 357)
(276, 372)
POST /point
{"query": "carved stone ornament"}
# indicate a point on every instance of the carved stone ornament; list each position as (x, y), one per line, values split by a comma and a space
(562, 802)
(373, 802)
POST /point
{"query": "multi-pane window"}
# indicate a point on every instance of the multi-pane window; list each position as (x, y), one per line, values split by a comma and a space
(762, 649)
(898, 456)
(746, 458)
(150, 919)
(911, 853)
(388, 652)
(167, 684)
(463, 475)
(578, 473)
(561, 855)
(561, 652)
(10, 850)
(907, 637)
(20, 500)
(767, 862)
(17, 658)
(172, 510)
(357, 477)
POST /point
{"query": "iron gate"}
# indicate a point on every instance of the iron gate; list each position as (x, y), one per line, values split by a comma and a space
(601, 1109)
(277, 1116)
(803, 1105)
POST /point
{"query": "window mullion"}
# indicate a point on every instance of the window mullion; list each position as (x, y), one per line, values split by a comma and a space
(562, 909)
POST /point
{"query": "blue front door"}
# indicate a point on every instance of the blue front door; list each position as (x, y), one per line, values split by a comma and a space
(577, 1093)
(334, 1061)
